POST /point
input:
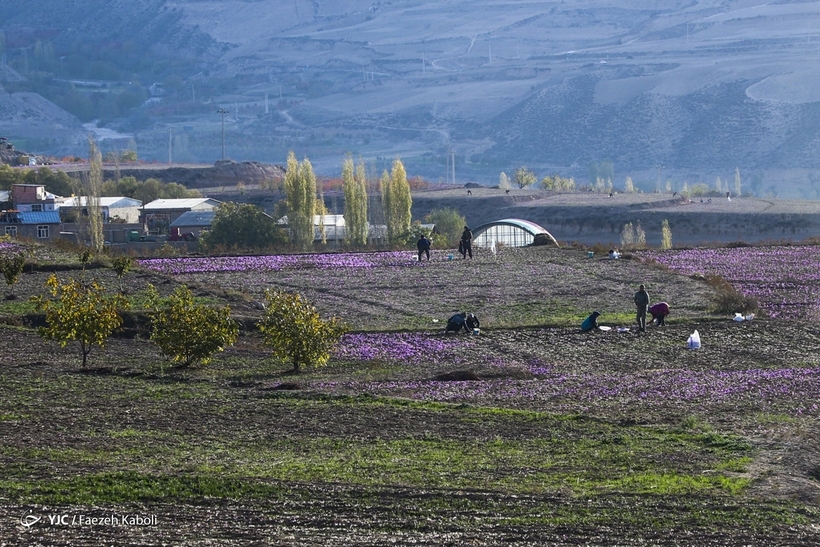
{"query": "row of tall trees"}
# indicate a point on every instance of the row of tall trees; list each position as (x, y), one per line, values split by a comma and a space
(302, 204)
(523, 178)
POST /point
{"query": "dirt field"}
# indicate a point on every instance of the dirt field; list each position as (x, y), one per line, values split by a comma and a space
(531, 433)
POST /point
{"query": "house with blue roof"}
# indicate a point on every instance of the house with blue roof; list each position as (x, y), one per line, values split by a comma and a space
(36, 225)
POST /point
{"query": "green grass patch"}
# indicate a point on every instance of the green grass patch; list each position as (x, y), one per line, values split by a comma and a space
(122, 487)
(571, 453)
(17, 306)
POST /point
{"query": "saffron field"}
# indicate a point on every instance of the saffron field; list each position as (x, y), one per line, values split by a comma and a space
(531, 433)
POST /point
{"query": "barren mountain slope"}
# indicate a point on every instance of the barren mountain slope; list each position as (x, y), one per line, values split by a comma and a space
(700, 87)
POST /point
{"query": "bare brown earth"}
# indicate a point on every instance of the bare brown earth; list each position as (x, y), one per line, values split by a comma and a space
(50, 410)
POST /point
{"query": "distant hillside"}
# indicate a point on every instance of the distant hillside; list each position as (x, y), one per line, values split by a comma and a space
(677, 91)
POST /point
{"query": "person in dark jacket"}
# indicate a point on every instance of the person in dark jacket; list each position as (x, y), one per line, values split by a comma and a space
(456, 323)
(659, 312)
(466, 245)
(472, 322)
(423, 245)
(641, 303)
(590, 322)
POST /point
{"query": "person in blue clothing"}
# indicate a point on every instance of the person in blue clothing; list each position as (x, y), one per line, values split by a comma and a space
(457, 322)
(590, 322)
(423, 245)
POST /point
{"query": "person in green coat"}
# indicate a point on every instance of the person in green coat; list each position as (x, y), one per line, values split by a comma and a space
(641, 303)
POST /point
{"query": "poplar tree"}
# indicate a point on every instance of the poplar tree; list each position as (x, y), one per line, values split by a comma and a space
(300, 192)
(354, 185)
(361, 230)
(666, 235)
(93, 192)
(396, 201)
(385, 184)
(402, 201)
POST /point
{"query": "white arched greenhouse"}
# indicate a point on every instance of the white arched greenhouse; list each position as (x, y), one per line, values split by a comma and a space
(511, 232)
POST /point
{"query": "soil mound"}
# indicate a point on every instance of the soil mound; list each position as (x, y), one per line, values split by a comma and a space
(223, 173)
(457, 376)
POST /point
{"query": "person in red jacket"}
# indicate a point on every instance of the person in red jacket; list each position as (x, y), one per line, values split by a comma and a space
(659, 312)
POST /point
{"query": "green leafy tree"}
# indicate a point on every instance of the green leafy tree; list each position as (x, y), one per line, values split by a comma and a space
(548, 183)
(628, 235)
(296, 332)
(79, 312)
(243, 226)
(449, 225)
(186, 332)
(666, 235)
(174, 190)
(397, 202)
(354, 186)
(148, 191)
(8, 176)
(12, 266)
(633, 236)
(523, 177)
(557, 182)
(122, 265)
(300, 192)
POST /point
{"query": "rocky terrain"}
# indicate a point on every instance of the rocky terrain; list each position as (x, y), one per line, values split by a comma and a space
(222, 173)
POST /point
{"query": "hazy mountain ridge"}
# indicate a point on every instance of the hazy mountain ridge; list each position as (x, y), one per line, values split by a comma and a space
(699, 87)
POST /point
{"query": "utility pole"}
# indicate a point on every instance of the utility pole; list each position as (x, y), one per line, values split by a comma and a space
(170, 144)
(453, 154)
(658, 188)
(223, 112)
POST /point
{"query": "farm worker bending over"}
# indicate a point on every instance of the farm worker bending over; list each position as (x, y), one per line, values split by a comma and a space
(457, 322)
(590, 322)
(659, 312)
(472, 322)
(641, 303)
(423, 245)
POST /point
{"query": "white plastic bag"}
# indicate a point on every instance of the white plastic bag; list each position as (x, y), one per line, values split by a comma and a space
(694, 341)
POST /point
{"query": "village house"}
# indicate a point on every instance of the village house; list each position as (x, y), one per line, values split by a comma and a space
(113, 209)
(156, 217)
(32, 198)
(37, 225)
